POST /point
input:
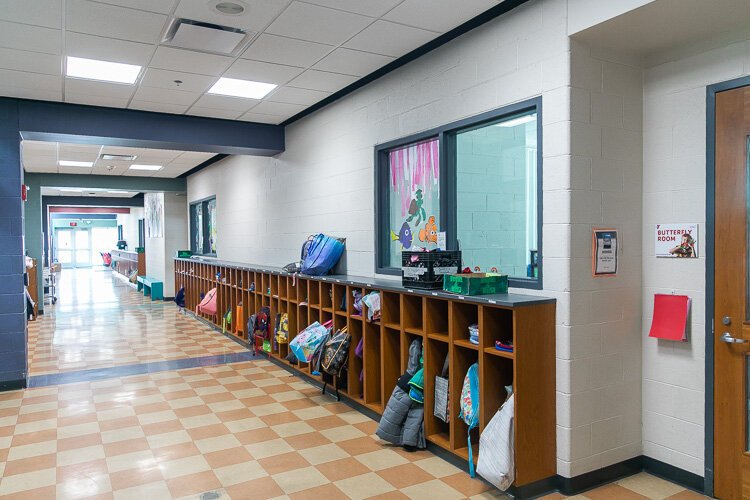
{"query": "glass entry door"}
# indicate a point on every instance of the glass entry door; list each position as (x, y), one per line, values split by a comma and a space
(73, 247)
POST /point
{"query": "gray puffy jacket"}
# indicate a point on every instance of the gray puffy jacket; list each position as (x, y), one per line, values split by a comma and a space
(402, 422)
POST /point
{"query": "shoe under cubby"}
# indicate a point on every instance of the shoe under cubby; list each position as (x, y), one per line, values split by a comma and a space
(440, 321)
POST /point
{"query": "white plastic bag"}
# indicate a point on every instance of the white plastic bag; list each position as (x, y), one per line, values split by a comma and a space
(496, 460)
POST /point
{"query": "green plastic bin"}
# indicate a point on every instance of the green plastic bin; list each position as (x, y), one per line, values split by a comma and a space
(475, 283)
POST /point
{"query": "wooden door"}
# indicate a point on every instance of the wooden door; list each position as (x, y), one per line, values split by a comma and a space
(732, 298)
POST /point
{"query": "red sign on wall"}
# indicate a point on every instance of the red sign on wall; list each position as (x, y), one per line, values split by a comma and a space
(73, 224)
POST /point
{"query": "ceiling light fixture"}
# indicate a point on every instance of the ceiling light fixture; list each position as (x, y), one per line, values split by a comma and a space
(241, 88)
(105, 71)
(146, 167)
(71, 190)
(119, 192)
(68, 163)
(228, 8)
(517, 121)
(110, 157)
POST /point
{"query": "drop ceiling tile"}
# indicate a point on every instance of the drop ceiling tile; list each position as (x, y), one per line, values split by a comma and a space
(102, 89)
(43, 148)
(40, 164)
(38, 12)
(256, 17)
(158, 107)
(121, 150)
(96, 100)
(238, 104)
(168, 174)
(40, 169)
(258, 118)
(317, 24)
(283, 50)
(390, 39)
(257, 71)
(34, 62)
(282, 109)
(352, 62)
(438, 15)
(297, 96)
(224, 114)
(33, 81)
(111, 21)
(322, 80)
(28, 93)
(372, 8)
(73, 170)
(138, 173)
(155, 94)
(165, 79)
(158, 6)
(163, 156)
(33, 38)
(107, 49)
(190, 62)
(195, 156)
(92, 150)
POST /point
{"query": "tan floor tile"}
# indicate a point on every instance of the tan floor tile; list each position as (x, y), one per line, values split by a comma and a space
(127, 433)
(650, 486)
(77, 430)
(234, 474)
(256, 435)
(687, 495)
(463, 483)
(231, 456)
(84, 486)
(361, 445)
(129, 461)
(156, 489)
(312, 412)
(27, 481)
(292, 429)
(193, 484)
(309, 440)
(122, 447)
(300, 479)
(245, 424)
(613, 491)
(364, 486)
(30, 464)
(381, 459)
(217, 443)
(405, 475)
(183, 466)
(33, 437)
(437, 467)
(267, 409)
(343, 433)
(168, 439)
(283, 463)
(326, 491)
(266, 449)
(80, 455)
(432, 489)
(322, 454)
(264, 487)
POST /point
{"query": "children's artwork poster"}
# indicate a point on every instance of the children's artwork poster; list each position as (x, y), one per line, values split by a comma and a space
(154, 213)
(414, 198)
(604, 252)
(677, 241)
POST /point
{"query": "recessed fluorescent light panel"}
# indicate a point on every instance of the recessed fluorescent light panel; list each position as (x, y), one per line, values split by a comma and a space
(72, 190)
(104, 71)
(517, 121)
(119, 192)
(145, 167)
(241, 88)
(67, 163)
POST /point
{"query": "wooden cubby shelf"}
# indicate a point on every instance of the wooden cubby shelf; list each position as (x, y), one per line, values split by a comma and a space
(440, 320)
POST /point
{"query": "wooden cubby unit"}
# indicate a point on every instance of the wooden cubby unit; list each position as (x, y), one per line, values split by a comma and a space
(440, 320)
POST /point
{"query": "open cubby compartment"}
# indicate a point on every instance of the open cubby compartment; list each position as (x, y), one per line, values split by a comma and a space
(495, 324)
(283, 286)
(390, 309)
(339, 322)
(350, 301)
(406, 340)
(274, 285)
(339, 298)
(292, 314)
(313, 293)
(263, 283)
(302, 291)
(265, 301)
(283, 348)
(366, 292)
(462, 315)
(437, 431)
(373, 396)
(390, 356)
(242, 312)
(325, 316)
(436, 319)
(355, 386)
(326, 295)
(462, 359)
(494, 374)
(412, 313)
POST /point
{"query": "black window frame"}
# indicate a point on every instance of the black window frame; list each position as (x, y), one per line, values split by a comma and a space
(446, 135)
(206, 250)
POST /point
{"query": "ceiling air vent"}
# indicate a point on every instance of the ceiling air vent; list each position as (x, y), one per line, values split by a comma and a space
(206, 37)
(109, 157)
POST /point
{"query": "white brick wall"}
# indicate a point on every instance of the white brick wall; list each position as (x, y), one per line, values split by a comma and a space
(674, 173)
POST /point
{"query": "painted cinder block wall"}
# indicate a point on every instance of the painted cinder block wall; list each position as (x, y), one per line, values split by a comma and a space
(12, 266)
(323, 182)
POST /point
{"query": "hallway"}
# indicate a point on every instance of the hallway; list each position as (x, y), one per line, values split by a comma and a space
(228, 426)
(100, 321)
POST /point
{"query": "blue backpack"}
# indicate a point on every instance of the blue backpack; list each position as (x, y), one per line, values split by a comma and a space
(469, 406)
(323, 253)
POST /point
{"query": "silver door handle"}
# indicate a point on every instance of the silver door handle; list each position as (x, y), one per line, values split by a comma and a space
(732, 340)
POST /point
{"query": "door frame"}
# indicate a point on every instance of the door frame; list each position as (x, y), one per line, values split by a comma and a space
(711, 91)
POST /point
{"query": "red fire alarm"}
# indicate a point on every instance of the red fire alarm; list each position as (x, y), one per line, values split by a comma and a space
(24, 191)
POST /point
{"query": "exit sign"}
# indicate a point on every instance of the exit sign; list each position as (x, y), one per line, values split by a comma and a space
(73, 224)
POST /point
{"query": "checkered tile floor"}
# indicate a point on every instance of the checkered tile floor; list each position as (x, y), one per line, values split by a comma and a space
(99, 321)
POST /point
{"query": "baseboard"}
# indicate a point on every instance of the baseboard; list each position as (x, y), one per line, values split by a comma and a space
(13, 385)
(674, 474)
(570, 486)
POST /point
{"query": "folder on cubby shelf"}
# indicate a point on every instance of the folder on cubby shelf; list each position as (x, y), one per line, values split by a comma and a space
(670, 317)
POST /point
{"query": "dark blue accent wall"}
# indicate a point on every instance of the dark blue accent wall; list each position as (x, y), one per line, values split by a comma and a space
(12, 301)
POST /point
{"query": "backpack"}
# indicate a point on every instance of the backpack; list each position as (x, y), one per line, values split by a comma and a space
(323, 253)
(469, 407)
(208, 304)
(294, 267)
(282, 328)
(259, 333)
(307, 342)
(336, 352)
(496, 460)
(179, 298)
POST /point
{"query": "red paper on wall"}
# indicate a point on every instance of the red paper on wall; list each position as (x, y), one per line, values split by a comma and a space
(670, 317)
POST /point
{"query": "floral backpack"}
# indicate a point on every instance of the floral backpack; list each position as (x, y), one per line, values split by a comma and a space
(469, 406)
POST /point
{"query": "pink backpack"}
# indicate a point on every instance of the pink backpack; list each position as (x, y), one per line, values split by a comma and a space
(208, 304)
